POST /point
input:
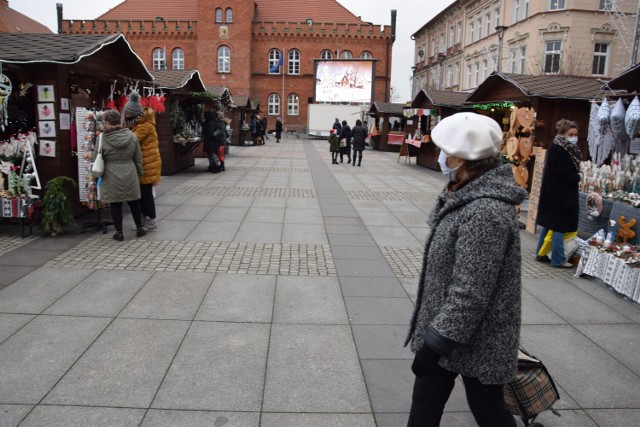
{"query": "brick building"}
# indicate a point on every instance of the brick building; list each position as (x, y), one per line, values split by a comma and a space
(235, 43)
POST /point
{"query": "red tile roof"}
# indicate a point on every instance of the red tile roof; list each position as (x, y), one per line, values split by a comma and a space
(298, 11)
(267, 10)
(12, 21)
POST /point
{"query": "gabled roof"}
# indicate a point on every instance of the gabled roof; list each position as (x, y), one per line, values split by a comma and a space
(69, 49)
(177, 79)
(628, 80)
(243, 101)
(297, 11)
(217, 90)
(12, 21)
(543, 86)
(387, 108)
(150, 9)
(441, 98)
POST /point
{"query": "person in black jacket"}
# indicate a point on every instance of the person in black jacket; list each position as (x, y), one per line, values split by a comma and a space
(558, 206)
(358, 136)
(278, 129)
(209, 143)
(345, 133)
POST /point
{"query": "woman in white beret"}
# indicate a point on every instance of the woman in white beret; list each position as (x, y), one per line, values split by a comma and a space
(467, 314)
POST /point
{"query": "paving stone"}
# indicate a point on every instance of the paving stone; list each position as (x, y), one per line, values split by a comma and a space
(10, 323)
(227, 214)
(381, 341)
(614, 417)
(620, 341)
(314, 368)
(378, 311)
(317, 420)
(536, 313)
(11, 415)
(79, 416)
(363, 268)
(371, 287)
(164, 418)
(302, 216)
(304, 233)
(309, 300)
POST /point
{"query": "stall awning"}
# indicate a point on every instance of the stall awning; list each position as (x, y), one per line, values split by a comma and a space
(387, 108)
(440, 98)
(628, 80)
(177, 79)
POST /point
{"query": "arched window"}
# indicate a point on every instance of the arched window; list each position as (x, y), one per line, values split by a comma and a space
(274, 57)
(219, 14)
(294, 61)
(273, 105)
(229, 15)
(345, 54)
(177, 59)
(224, 59)
(366, 55)
(159, 59)
(326, 54)
(293, 105)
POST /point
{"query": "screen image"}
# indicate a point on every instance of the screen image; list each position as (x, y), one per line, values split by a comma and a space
(344, 81)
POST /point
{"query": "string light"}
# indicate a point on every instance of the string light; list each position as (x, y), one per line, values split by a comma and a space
(491, 105)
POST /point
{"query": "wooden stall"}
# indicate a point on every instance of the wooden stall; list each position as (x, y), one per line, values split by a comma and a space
(240, 118)
(51, 75)
(384, 136)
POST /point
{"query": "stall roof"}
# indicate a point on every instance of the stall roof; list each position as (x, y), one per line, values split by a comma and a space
(543, 86)
(177, 79)
(244, 101)
(628, 80)
(217, 90)
(65, 49)
(441, 98)
(387, 108)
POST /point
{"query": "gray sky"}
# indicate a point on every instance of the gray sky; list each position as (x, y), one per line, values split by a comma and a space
(411, 16)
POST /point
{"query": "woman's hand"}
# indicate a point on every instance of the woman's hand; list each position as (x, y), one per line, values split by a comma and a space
(424, 362)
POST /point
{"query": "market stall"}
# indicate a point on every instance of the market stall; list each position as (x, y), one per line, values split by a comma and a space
(51, 77)
(386, 126)
(427, 108)
(240, 118)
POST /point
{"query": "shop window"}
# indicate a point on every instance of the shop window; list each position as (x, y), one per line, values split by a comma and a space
(177, 59)
(600, 56)
(159, 59)
(274, 58)
(219, 14)
(224, 59)
(326, 54)
(293, 105)
(552, 56)
(273, 105)
(366, 55)
(294, 61)
(556, 4)
(229, 13)
(346, 54)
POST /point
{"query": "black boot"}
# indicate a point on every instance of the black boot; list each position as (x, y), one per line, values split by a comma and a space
(215, 169)
(140, 232)
(221, 166)
(359, 161)
(118, 236)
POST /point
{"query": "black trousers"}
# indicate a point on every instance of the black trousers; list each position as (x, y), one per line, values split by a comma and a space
(357, 153)
(147, 204)
(116, 213)
(431, 392)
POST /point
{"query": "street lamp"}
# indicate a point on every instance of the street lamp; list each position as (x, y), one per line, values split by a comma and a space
(500, 29)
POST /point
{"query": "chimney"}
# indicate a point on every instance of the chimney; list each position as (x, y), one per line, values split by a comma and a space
(59, 9)
(393, 25)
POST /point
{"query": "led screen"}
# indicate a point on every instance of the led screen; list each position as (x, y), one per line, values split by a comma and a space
(344, 81)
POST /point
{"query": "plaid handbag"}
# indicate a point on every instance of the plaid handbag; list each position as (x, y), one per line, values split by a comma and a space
(533, 390)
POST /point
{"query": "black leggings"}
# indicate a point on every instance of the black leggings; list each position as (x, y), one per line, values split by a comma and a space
(431, 392)
(147, 204)
(357, 153)
(116, 213)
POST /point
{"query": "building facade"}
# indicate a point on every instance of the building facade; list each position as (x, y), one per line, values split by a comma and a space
(238, 43)
(470, 39)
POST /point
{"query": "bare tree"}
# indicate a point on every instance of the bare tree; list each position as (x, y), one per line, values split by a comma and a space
(574, 64)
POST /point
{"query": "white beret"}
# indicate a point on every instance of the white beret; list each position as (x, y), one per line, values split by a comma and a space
(469, 136)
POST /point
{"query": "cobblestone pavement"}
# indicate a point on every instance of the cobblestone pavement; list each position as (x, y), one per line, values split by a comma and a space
(8, 243)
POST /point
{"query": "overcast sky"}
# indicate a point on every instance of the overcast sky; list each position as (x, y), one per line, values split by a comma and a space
(411, 16)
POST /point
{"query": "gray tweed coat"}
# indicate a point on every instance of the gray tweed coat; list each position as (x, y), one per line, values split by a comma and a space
(469, 289)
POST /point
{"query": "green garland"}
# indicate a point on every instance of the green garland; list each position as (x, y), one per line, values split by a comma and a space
(491, 105)
(177, 117)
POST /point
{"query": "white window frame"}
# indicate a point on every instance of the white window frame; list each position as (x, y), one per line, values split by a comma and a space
(326, 54)
(476, 74)
(485, 67)
(526, 9)
(274, 57)
(218, 14)
(159, 59)
(554, 52)
(513, 53)
(557, 4)
(224, 57)
(468, 76)
(346, 54)
(366, 55)
(471, 31)
(487, 23)
(516, 11)
(458, 32)
(293, 65)
(497, 17)
(293, 104)
(177, 59)
(601, 56)
(479, 29)
(456, 73)
(605, 5)
(273, 104)
(523, 59)
(452, 34)
(448, 76)
(228, 15)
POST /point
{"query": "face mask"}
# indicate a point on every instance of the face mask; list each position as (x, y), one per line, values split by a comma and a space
(572, 139)
(446, 170)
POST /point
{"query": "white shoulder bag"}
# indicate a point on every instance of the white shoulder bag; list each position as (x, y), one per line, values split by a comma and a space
(98, 164)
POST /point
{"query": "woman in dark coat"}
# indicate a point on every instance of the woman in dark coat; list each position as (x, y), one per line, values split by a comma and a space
(345, 133)
(358, 137)
(122, 171)
(278, 129)
(558, 206)
(209, 142)
(466, 319)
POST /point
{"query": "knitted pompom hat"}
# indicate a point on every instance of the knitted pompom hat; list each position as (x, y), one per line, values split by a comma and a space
(133, 108)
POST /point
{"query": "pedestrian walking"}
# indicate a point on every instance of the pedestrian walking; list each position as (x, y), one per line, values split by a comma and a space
(334, 146)
(278, 129)
(559, 206)
(467, 314)
(122, 170)
(210, 142)
(144, 128)
(337, 126)
(265, 127)
(221, 134)
(345, 141)
(359, 136)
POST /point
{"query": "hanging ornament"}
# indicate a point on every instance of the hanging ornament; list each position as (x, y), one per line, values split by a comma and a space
(5, 91)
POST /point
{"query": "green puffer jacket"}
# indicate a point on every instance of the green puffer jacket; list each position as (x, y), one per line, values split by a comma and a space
(122, 166)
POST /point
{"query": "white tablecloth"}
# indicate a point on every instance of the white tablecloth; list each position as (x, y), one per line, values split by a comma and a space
(612, 271)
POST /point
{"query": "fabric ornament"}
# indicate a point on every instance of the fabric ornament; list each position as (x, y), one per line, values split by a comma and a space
(632, 117)
(617, 127)
(604, 113)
